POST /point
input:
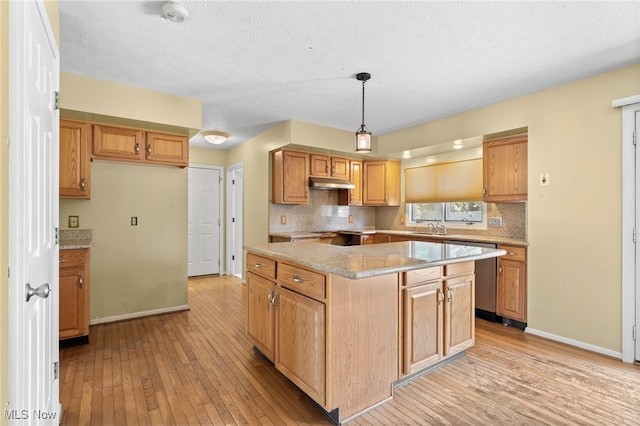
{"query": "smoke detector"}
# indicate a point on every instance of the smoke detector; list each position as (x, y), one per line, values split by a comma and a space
(174, 12)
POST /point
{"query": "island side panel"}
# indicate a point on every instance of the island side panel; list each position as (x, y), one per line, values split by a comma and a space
(363, 343)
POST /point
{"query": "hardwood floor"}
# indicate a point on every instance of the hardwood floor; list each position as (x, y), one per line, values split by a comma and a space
(197, 367)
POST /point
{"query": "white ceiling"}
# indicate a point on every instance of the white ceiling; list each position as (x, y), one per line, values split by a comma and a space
(254, 64)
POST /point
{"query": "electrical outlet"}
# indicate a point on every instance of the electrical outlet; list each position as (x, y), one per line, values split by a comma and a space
(544, 179)
(402, 220)
(494, 221)
(350, 218)
(134, 220)
(74, 221)
(283, 219)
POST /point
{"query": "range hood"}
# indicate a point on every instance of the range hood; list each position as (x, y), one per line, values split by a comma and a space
(328, 183)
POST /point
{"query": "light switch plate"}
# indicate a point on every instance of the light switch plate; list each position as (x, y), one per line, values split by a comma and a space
(74, 221)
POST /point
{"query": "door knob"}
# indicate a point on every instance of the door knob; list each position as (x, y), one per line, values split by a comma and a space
(42, 291)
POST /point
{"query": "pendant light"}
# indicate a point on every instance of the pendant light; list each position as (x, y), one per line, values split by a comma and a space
(363, 136)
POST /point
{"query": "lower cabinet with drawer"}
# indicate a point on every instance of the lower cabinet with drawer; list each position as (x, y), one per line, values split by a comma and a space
(318, 330)
(74, 293)
(511, 291)
(438, 314)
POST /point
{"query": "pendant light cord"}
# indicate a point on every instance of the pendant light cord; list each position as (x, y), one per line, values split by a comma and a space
(362, 126)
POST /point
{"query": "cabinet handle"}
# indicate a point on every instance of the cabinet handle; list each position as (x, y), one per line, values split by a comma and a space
(275, 300)
(270, 297)
(148, 149)
(137, 148)
(60, 260)
(440, 297)
(297, 279)
(326, 169)
(449, 294)
(82, 185)
(484, 191)
(81, 281)
(333, 170)
(510, 253)
(385, 198)
(500, 270)
(258, 265)
(306, 194)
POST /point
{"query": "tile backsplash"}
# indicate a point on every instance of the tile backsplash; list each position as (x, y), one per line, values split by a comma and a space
(324, 214)
(321, 214)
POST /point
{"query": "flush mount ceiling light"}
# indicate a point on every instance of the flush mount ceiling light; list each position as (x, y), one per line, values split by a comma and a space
(457, 144)
(363, 136)
(174, 12)
(214, 136)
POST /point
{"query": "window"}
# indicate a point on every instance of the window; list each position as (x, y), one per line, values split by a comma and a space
(462, 213)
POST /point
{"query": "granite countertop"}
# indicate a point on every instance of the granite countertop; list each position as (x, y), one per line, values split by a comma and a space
(371, 260)
(302, 234)
(75, 238)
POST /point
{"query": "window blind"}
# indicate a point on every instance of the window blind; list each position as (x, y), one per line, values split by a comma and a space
(444, 182)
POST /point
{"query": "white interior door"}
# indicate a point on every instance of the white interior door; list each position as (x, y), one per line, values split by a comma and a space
(204, 220)
(33, 217)
(235, 210)
(636, 228)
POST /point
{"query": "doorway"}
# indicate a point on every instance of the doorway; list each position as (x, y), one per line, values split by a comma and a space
(204, 211)
(235, 210)
(630, 224)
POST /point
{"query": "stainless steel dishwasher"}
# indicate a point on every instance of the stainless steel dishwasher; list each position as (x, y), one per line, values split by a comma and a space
(485, 281)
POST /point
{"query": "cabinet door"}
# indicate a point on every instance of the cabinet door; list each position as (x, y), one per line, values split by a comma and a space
(374, 191)
(459, 314)
(167, 149)
(422, 326)
(290, 177)
(511, 291)
(301, 342)
(381, 183)
(340, 168)
(319, 165)
(72, 301)
(352, 197)
(260, 317)
(118, 143)
(505, 169)
(75, 170)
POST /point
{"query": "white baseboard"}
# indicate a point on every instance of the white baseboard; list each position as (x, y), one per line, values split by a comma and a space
(576, 343)
(115, 318)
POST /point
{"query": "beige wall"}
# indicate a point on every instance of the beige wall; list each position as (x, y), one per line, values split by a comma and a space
(574, 225)
(141, 268)
(52, 10)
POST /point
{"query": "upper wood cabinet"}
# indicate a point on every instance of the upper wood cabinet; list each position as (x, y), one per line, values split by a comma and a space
(290, 177)
(381, 183)
(75, 158)
(325, 166)
(352, 197)
(128, 144)
(505, 169)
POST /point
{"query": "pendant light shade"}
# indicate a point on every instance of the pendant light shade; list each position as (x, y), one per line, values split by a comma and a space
(363, 136)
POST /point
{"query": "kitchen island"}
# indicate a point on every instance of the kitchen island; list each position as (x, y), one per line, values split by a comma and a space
(345, 324)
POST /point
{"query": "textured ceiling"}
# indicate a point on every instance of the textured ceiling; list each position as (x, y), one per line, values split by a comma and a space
(254, 64)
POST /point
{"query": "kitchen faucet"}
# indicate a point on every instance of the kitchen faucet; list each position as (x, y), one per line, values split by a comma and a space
(431, 228)
(441, 229)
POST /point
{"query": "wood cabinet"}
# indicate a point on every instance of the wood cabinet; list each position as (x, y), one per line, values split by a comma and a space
(300, 348)
(375, 239)
(290, 177)
(75, 159)
(345, 358)
(438, 314)
(137, 145)
(326, 166)
(352, 197)
(381, 183)
(505, 169)
(512, 283)
(74, 293)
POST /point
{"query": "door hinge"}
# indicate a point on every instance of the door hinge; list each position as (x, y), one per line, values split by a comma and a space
(57, 100)
(233, 220)
(56, 370)
(635, 235)
(233, 257)
(634, 333)
(635, 137)
(57, 235)
(233, 182)
(219, 179)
